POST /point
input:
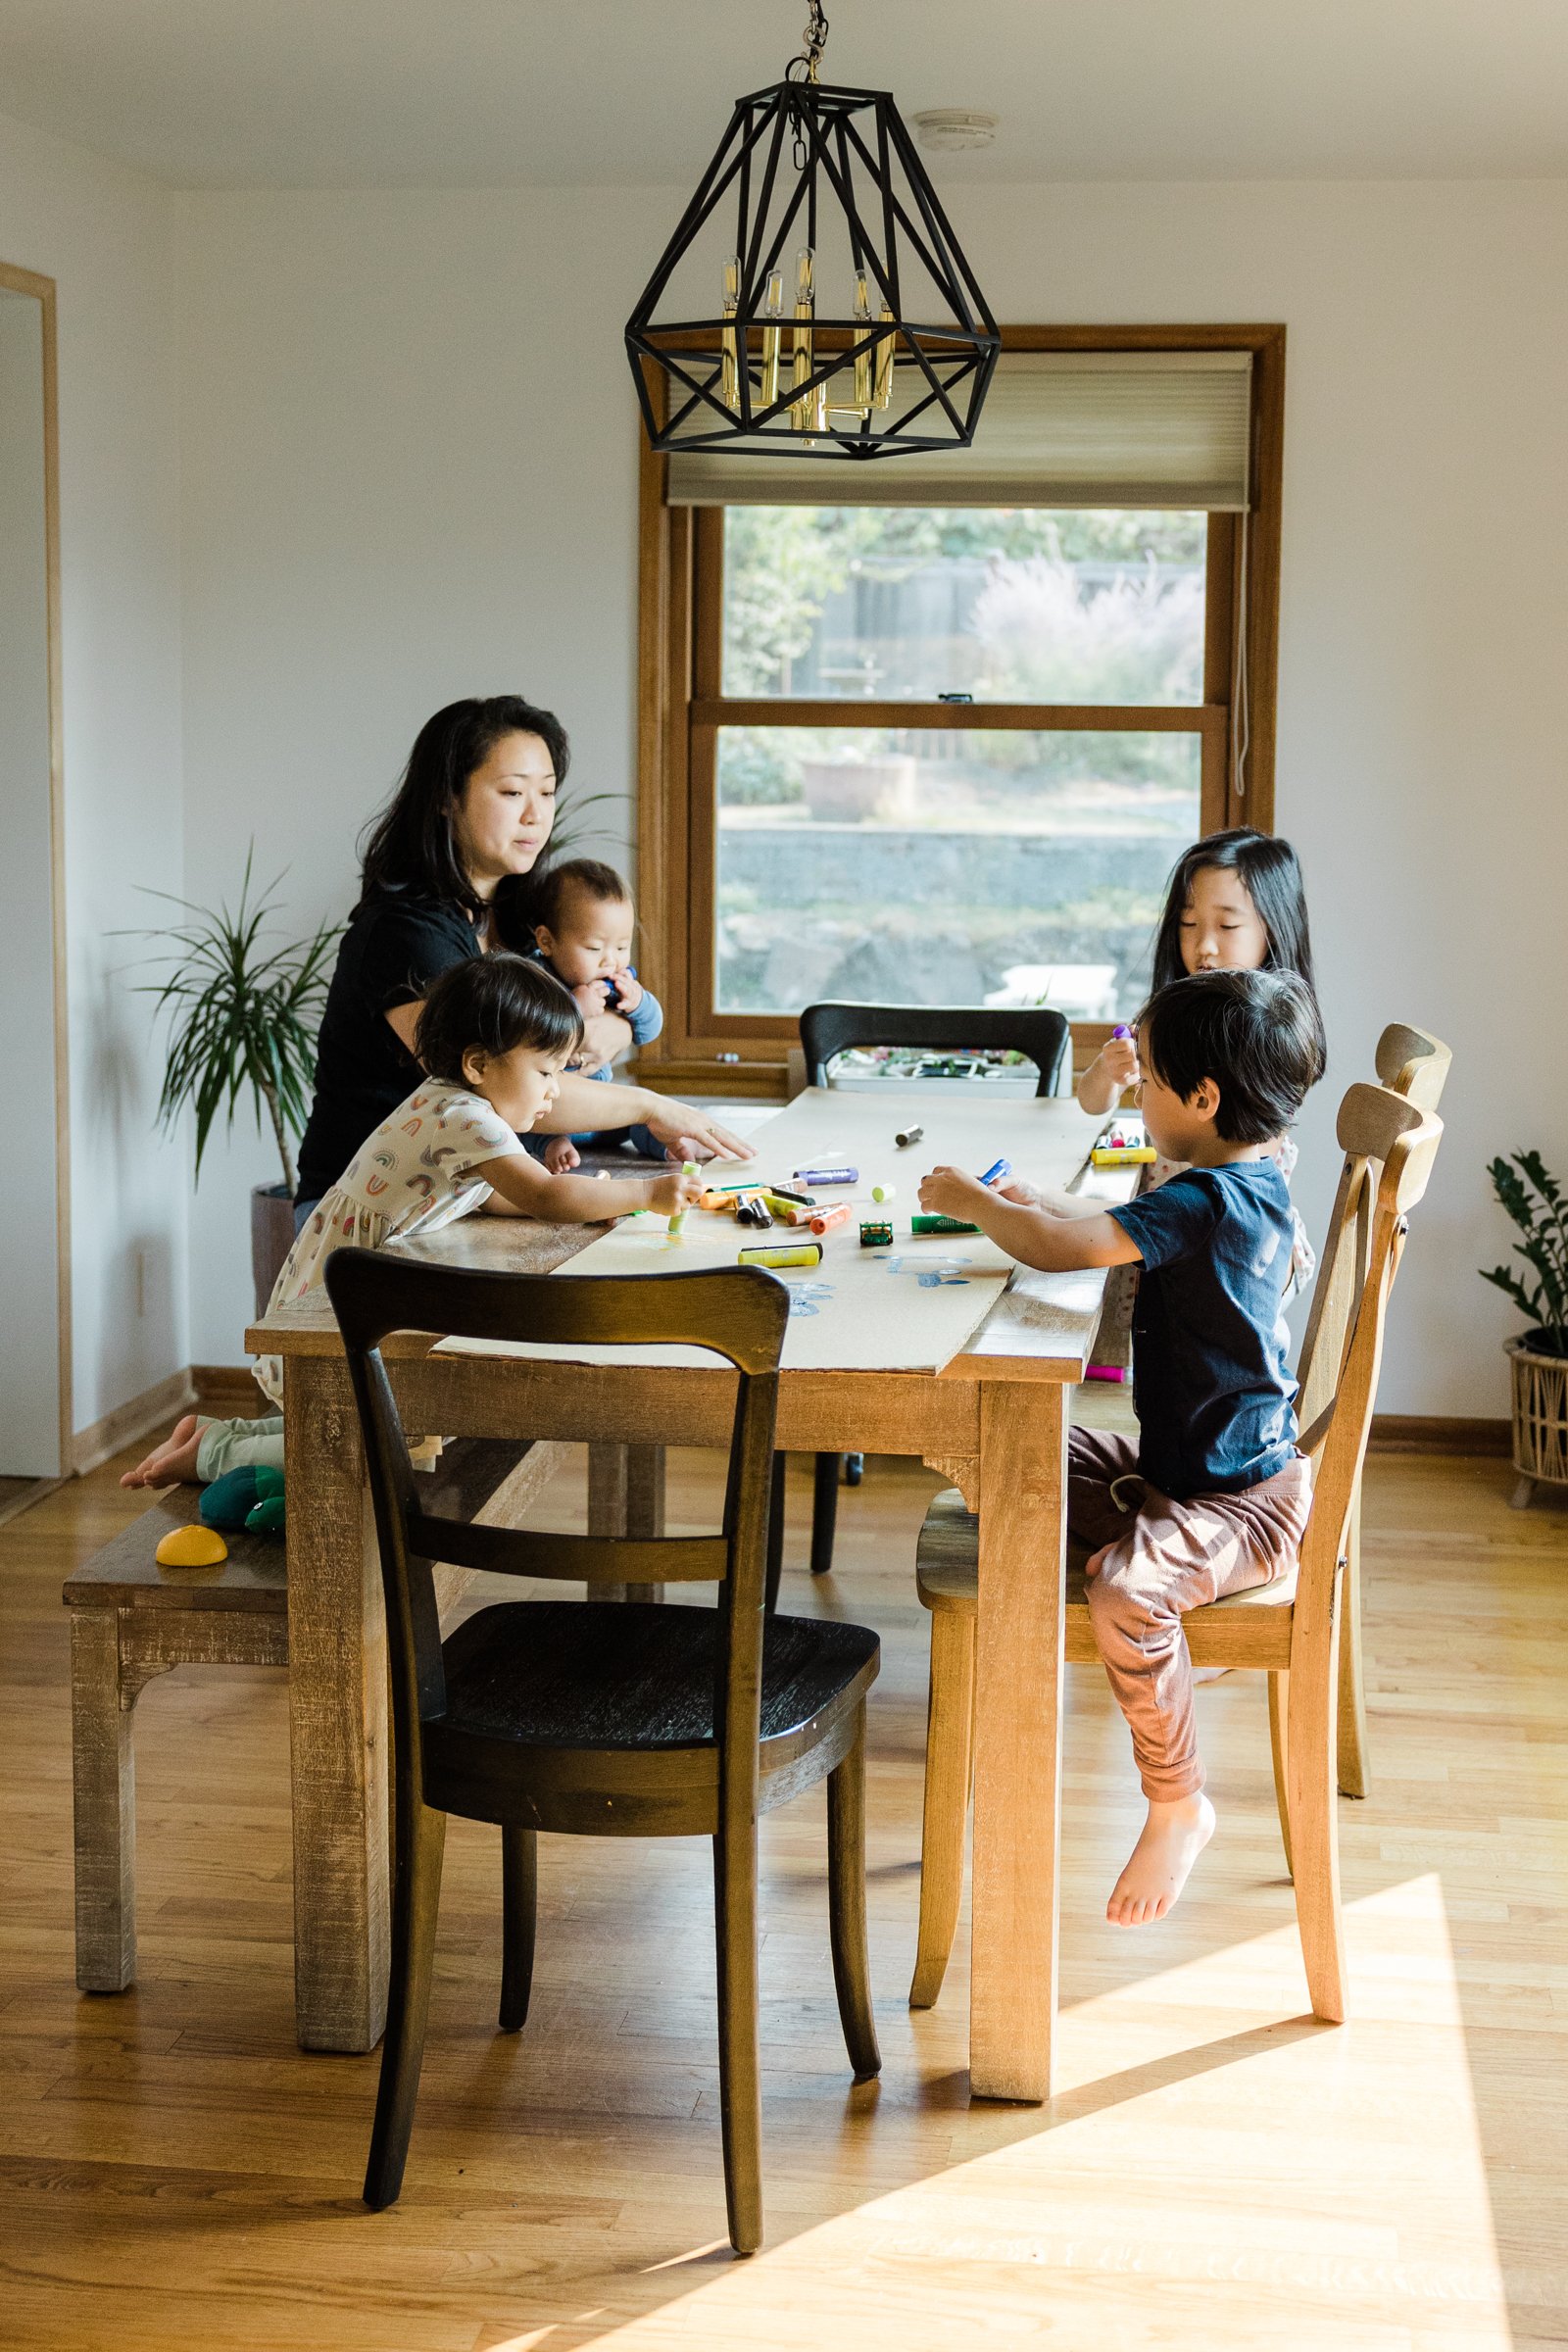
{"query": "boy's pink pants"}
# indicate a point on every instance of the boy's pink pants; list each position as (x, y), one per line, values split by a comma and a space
(1153, 1560)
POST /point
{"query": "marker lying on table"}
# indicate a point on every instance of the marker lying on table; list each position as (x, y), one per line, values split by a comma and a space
(821, 1176)
(919, 1225)
(884, 1192)
(823, 1220)
(784, 1253)
(876, 1236)
(688, 1167)
(911, 1135)
(997, 1169)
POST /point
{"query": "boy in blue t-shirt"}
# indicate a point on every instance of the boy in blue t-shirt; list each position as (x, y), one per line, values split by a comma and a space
(1213, 1498)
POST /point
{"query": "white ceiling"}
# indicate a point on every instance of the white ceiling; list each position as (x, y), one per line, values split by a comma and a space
(504, 94)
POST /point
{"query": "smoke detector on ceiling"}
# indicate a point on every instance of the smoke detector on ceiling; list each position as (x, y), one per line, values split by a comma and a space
(947, 128)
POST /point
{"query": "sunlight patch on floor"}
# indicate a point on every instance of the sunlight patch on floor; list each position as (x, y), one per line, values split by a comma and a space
(1074, 2231)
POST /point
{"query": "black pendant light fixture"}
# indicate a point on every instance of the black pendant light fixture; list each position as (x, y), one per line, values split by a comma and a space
(849, 322)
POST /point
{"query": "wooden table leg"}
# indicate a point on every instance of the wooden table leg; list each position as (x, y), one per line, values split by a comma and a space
(338, 1725)
(626, 1498)
(1017, 1781)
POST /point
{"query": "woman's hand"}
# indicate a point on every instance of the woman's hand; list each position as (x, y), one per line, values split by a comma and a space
(561, 1154)
(686, 1132)
(605, 1034)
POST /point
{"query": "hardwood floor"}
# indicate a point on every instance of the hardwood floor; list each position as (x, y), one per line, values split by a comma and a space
(1217, 2169)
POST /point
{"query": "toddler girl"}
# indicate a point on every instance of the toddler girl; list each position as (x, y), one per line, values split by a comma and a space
(495, 1034)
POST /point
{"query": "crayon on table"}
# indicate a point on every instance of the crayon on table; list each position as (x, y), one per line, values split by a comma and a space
(823, 1220)
(819, 1176)
(941, 1225)
(910, 1135)
(785, 1253)
(884, 1192)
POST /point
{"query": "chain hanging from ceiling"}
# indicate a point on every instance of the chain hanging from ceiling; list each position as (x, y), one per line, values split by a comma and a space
(848, 321)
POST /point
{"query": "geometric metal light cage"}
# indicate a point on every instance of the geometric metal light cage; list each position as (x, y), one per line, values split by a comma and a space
(848, 321)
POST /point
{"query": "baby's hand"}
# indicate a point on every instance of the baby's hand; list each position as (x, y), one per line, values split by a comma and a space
(591, 996)
(627, 990)
(670, 1193)
(561, 1154)
(952, 1192)
(1117, 1061)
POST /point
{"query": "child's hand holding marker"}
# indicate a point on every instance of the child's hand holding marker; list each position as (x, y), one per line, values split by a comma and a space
(673, 1195)
(1113, 1072)
(953, 1193)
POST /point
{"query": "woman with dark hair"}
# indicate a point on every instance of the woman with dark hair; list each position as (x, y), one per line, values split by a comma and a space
(442, 880)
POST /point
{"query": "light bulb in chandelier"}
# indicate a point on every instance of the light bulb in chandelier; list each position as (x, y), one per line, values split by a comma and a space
(730, 368)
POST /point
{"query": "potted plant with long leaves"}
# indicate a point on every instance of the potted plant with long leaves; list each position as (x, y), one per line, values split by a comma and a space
(1539, 1356)
(242, 1018)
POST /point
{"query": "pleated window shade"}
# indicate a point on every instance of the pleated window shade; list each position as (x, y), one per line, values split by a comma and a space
(1059, 428)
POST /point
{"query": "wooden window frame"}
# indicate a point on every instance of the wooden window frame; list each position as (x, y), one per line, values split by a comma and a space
(680, 708)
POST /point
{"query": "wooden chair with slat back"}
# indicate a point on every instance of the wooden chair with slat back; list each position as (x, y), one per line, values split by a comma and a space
(1286, 1629)
(604, 1718)
(1415, 1064)
(1037, 1032)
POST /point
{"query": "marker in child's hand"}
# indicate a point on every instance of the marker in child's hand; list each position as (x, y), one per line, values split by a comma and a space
(688, 1167)
(1121, 1031)
(996, 1170)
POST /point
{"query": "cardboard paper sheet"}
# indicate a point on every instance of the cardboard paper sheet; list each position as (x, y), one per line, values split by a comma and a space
(909, 1309)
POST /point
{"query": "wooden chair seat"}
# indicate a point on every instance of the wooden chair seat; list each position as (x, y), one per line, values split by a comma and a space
(557, 1696)
(1245, 1628)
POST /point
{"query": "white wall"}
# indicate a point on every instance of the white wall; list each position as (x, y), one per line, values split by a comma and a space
(409, 474)
(106, 236)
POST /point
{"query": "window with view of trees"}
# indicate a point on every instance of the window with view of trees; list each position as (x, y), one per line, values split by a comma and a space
(936, 754)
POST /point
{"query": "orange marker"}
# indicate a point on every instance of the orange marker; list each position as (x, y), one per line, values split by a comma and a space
(823, 1220)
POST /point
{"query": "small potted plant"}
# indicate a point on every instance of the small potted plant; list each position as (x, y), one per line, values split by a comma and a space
(243, 1019)
(1535, 1201)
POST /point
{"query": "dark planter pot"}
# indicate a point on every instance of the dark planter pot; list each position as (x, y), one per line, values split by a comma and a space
(272, 1238)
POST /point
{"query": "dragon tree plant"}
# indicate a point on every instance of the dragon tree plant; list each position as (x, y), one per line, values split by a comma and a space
(242, 1016)
(1535, 1200)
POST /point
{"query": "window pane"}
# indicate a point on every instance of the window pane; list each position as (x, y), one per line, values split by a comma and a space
(945, 868)
(904, 603)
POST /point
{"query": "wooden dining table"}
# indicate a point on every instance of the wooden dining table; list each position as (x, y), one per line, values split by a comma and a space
(991, 1419)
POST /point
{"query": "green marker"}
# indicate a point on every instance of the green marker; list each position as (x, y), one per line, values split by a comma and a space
(941, 1225)
(688, 1167)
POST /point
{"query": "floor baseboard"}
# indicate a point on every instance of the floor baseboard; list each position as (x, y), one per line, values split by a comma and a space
(1438, 1432)
(136, 1418)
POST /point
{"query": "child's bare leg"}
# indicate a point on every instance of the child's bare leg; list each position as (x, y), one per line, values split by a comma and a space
(171, 1463)
(1156, 1870)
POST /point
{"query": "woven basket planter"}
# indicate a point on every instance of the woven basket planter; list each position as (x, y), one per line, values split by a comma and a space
(1540, 1413)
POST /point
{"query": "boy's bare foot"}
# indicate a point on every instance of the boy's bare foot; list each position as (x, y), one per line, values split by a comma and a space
(172, 1462)
(1156, 1870)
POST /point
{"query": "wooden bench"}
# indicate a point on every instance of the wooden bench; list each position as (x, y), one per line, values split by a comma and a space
(133, 1620)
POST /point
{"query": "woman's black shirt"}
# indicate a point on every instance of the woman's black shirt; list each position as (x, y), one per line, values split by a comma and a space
(394, 948)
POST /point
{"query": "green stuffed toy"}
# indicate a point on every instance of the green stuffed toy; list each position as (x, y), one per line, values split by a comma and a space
(250, 1499)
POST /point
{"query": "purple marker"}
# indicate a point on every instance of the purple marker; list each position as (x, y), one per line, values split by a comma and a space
(1122, 1032)
(997, 1169)
(824, 1176)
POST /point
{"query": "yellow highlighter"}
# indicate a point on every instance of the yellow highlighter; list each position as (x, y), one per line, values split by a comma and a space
(783, 1253)
(1123, 1155)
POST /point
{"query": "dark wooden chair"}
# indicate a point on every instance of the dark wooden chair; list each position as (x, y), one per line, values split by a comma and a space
(604, 1718)
(1042, 1036)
